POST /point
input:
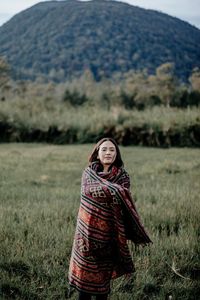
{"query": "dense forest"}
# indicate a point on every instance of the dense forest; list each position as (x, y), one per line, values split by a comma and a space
(60, 40)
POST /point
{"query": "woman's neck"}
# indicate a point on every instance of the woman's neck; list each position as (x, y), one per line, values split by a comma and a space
(106, 168)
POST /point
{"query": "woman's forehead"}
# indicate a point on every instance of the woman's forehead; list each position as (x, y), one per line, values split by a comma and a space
(107, 144)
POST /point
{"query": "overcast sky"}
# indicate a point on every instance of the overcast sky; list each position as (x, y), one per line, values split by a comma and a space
(187, 10)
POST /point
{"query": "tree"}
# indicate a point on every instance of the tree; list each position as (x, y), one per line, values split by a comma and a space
(4, 78)
(166, 82)
(195, 80)
(4, 72)
(74, 98)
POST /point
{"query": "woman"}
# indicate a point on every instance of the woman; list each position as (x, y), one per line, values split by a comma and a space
(107, 218)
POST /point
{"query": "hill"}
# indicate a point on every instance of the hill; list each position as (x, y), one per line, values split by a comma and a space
(58, 40)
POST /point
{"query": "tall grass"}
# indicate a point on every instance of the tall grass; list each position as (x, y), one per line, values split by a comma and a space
(39, 199)
(61, 123)
(43, 114)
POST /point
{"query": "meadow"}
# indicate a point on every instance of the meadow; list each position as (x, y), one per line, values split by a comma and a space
(39, 200)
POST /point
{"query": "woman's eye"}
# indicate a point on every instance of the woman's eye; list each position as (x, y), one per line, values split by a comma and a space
(111, 150)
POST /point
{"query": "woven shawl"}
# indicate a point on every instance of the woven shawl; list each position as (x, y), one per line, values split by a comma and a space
(107, 218)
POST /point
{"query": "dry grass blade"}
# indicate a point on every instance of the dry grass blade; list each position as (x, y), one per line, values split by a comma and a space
(176, 271)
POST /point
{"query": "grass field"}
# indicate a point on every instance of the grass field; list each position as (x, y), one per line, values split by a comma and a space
(39, 199)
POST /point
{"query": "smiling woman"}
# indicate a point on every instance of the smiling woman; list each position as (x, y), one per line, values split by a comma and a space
(107, 154)
(107, 218)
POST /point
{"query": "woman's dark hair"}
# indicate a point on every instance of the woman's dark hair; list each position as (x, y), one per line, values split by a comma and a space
(93, 157)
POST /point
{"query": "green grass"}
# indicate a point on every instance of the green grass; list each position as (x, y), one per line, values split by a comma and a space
(39, 199)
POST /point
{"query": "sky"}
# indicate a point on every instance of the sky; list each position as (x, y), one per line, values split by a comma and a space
(187, 10)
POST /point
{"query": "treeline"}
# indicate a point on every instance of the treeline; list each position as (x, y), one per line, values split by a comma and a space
(132, 90)
(135, 108)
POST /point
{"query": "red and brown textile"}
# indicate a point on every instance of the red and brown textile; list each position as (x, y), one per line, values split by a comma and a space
(107, 218)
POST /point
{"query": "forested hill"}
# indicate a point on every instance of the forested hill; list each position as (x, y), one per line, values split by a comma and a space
(59, 40)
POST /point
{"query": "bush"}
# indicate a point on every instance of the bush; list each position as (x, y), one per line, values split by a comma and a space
(74, 98)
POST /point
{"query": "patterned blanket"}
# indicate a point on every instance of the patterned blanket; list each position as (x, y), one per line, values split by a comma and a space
(107, 218)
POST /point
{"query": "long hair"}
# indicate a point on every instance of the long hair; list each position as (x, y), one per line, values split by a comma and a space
(93, 156)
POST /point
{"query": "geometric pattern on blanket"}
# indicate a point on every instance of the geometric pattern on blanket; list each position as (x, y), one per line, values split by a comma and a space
(107, 218)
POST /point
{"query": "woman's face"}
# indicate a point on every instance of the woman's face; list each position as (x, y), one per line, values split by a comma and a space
(107, 154)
